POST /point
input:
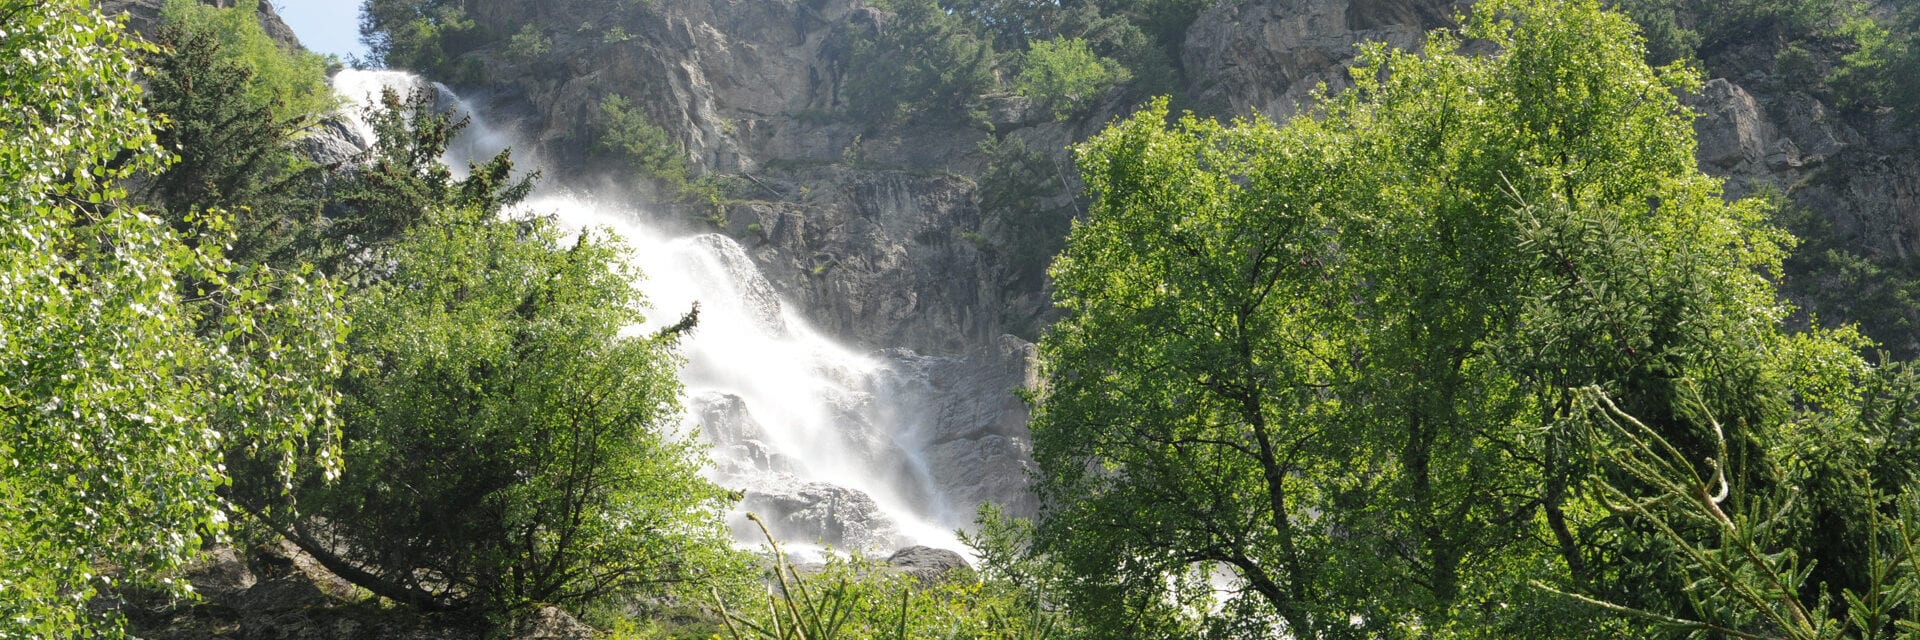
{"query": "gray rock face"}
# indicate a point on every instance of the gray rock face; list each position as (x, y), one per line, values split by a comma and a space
(866, 229)
(739, 441)
(971, 428)
(926, 564)
(1858, 172)
(332, 142)
(552, 623)
(819, 512)
(1266, 56)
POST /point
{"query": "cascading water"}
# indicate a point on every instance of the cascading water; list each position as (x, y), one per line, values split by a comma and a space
(822, 440)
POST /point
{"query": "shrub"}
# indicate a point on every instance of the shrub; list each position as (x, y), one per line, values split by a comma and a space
(1884, 69)
(853, 598)
(629, 136)
(528, 44)
(925, 63)
(296, 79)
(1066, 76)
(506, 442)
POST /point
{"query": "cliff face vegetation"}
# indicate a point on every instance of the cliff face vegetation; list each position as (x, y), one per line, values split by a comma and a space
(873, 176)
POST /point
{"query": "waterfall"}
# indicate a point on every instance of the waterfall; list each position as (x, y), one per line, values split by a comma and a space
(824, 442)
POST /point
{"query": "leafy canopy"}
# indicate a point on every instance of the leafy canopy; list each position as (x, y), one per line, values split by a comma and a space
(233, 144)
(507, 441)
(503, 435)
(1066, 76)
(114, 412)
(1335, 362)
(294, 79)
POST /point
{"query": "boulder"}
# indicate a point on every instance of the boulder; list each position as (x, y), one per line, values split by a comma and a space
(927, 564)
(818, 512)
(552, 623)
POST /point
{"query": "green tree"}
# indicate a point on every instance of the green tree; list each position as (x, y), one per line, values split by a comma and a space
(114, 413)
(423, 35)
(293, 80)
(1024, 208)
(922, 63)
(1065, 76)
(643, 146)
(403, 182)
(232, 144)
(1884, 70)
(529, 44)
(1331, 359)
(505, 443)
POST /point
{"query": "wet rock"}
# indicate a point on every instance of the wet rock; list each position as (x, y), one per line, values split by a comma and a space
(331, 142)
(927, 564)
(740, 446)
(969, 426)
(819, 512)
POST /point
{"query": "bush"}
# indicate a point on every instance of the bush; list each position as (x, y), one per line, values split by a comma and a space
(628, 135)
(506, 443)
(295, 79)
(1884, 69)
(925, 63)
(1066, 76)
(528, 44)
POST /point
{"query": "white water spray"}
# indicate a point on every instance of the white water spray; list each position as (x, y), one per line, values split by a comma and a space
(796, 420)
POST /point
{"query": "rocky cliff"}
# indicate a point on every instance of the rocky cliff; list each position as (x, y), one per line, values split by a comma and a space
(877, 231)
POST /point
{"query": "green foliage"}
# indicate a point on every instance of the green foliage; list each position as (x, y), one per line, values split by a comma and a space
(422, 35)
(924, 63)
(232, 146)
(504, 437)
(1065, 76)
(1749, 576)
(630, 137)
(852, 598)
(403, 181)
(505, 443)
(1684, 29)
(1884, 70)
(1012, 25)
(1165, 21)
(114, 413)
(1330, 359)
(1024, 209)
(295, 81)
(1666, 25)
(529, 44)
(1142, 38)
(1881, 295)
